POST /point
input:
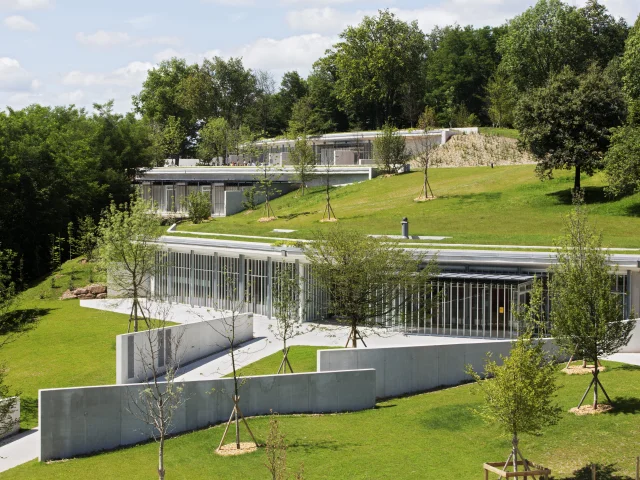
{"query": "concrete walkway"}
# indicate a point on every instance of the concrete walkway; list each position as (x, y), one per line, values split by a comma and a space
(19, 449)
(630, 358)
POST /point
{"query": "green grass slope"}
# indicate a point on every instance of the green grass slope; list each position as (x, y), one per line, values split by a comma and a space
(66, 346)
(433, 435)
(503, 205)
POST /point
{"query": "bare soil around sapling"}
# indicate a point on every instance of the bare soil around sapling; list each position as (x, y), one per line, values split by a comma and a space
(230, 449)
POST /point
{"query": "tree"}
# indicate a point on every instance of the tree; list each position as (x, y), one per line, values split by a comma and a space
(173, 138)
(520, 393)
(328, 215)
(198, 206)
(424, 157)
(389, 150)
(303, 160)
(375, 63)
(264, 101)
(551, 35)
(622, 161)
(287, 307)
(587, 315)
(292, 88)
(366, 278)
(276, 452)
(501, 98)
(214, 140)
(303, 118)
(608, 35)
(630, 67)
(328, 110)
(86, 241)
(265, 185)
(568, 122)
(127, 245)
(7, 285)
(160, 396)
(459, 63)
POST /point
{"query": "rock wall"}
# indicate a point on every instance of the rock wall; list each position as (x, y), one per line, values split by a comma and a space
(89, 292)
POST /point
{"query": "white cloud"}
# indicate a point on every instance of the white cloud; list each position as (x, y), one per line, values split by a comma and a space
(315, 2)
(290, 53)
(102, 38)
(327, 20)
(19, 23)
(13, 77)
(75, 97)
(25, 4)
(131, 75)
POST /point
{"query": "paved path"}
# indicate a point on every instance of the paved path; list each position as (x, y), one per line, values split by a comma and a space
(19, 449)
(630, 358)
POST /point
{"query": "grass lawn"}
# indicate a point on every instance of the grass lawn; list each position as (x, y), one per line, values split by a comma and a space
(500, 132)
(432, 435)
(68, 346)
(501, 206)
(302, 359)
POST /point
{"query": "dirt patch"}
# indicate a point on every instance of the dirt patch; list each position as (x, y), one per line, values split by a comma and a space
(580, 370)
(230, 449)
(328, 220)
(266, 219)
(589, 410)
(423, 199)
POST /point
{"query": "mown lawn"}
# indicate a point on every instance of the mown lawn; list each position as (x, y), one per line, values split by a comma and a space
(501, 206)
(302, 359)
(66, 345)
(433, 435)
(500, 132)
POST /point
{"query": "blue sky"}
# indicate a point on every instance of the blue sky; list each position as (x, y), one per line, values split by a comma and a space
(70, 51)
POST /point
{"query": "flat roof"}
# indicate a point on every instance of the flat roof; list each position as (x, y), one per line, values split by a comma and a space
(487, 277)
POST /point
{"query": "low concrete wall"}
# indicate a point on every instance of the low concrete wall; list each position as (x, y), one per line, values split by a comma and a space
(76, 421)
(402, 370)
(14, 419)
(634, 344)
(233, 201)
(182, 343)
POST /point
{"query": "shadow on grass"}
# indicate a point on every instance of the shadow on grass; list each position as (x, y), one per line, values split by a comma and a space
(19, 321)
(291, 216)
(476, 197)
(591, 195)
(633, 210)
(28, 411)
(449, 417)
(309, 447)
(603, 472)
(627, 367)
(625, 405)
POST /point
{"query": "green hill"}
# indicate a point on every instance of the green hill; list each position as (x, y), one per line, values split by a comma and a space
(502, 206)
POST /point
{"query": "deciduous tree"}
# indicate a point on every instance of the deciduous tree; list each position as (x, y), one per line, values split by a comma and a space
(389, 150)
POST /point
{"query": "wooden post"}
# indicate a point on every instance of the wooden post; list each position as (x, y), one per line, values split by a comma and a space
(637, 468)
(593, 471)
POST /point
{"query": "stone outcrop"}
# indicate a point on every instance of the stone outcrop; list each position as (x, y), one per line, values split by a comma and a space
(89, 292)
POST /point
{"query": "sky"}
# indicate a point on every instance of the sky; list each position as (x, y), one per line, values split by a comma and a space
(58, 52)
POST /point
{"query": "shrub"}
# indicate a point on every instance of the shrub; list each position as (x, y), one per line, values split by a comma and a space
(198, 206)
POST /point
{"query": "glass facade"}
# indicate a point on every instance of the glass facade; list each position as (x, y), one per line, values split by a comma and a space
(459, 303)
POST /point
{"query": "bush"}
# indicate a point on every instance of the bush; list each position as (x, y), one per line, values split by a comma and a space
(198, 206)
(249, 201)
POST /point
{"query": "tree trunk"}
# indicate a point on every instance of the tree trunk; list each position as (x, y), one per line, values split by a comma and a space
(576, 183)
(135, 309)
(354, 339)
(595, 383)
(161, 459)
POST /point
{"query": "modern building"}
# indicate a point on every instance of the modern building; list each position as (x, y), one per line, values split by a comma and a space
(349, 154)
(474, 295)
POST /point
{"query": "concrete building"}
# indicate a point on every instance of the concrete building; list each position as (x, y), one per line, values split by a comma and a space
(350, 154)
(475, 291)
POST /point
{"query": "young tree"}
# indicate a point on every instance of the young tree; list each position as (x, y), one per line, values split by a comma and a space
(328, 215)
(587, 315)
(127, 245)
(160, 396)
(288, 310)
(568, 122)
(366, 278)
(233, 305)
(276, 451)
(86, 241)
(520, 393)
(501, 98)
(389, 150)
(249, 201)
(198, 206)
(266, 180)
(303, 160)
(423, 156)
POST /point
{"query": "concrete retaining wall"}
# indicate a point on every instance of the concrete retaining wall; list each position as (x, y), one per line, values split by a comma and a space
(402, 370)
(14, 419)
(634, 344)
(182, 343)
(76, 421)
